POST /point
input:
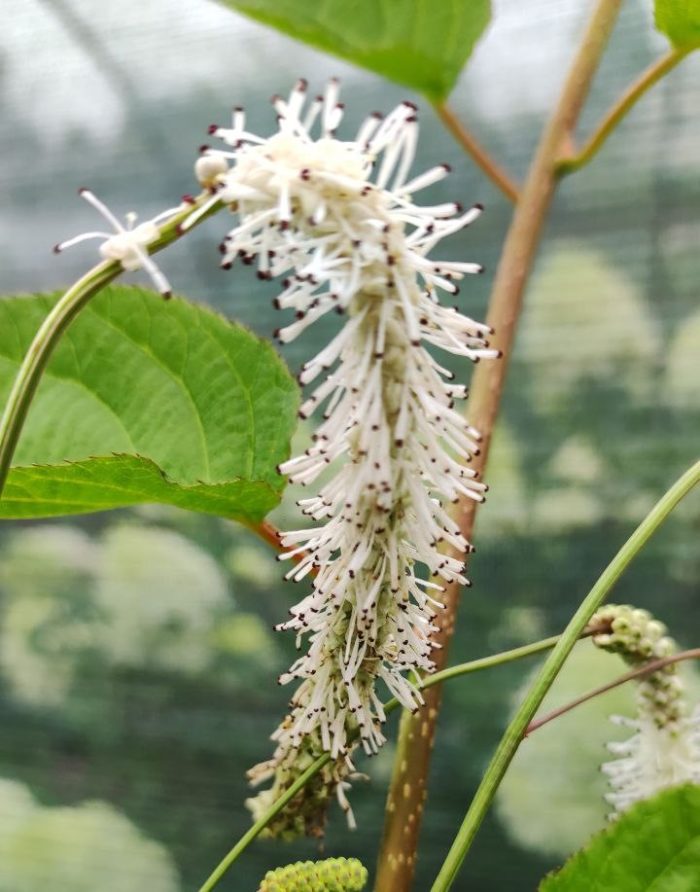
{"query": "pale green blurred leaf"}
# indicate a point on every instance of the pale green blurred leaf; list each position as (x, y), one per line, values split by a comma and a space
(653, 847)
(418, 43)
(147, 401)
(679, 20)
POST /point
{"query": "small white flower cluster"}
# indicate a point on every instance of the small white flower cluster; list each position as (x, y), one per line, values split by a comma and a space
(665, 747)
(338, 220)
(127, 245)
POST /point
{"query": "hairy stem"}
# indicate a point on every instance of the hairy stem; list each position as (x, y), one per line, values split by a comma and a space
(397, 853)
(620, 109)
(53, 328)
(639, 672)
(492, 170)
(518, 725)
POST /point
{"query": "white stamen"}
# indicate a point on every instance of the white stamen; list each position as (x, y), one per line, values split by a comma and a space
(128, 245)
(306, 208)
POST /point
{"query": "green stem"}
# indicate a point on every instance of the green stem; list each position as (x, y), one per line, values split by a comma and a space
(622, 107)
(53, 327)
(516, 729)
(499, 659)
(262, 822)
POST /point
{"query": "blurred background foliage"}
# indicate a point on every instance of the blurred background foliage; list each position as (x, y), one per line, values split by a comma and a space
(137, 661)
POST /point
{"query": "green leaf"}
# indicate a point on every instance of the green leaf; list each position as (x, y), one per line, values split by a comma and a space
(679, 20)
(419, 43)
(653, 847)
(147, 401)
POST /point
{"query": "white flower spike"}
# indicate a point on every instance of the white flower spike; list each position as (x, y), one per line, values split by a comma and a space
(665, 748)
(337, 219)
(128, 245)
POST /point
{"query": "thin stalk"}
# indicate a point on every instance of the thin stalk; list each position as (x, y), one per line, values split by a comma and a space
(518, 725)
(493, 171)
(620, 109)
(639, 672)
(53, 328)
(262, 823)
(397, 855)
(499, 659)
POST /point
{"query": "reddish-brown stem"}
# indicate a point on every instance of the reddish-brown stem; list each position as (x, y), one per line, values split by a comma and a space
(639, 672)
(493, 171)
(268, 532)
(407, 790)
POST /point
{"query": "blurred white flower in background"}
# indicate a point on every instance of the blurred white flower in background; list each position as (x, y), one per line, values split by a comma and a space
(137, 597)
(77, 848)
(578, 296)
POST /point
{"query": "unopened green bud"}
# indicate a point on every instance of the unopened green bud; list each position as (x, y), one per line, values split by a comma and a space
(331, 875)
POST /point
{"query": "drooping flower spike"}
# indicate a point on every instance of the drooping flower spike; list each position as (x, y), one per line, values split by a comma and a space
(127, 244)
(337, 219)
(664, 749)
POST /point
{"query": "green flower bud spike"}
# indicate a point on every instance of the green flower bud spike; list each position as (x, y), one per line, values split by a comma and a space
(331, 875)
